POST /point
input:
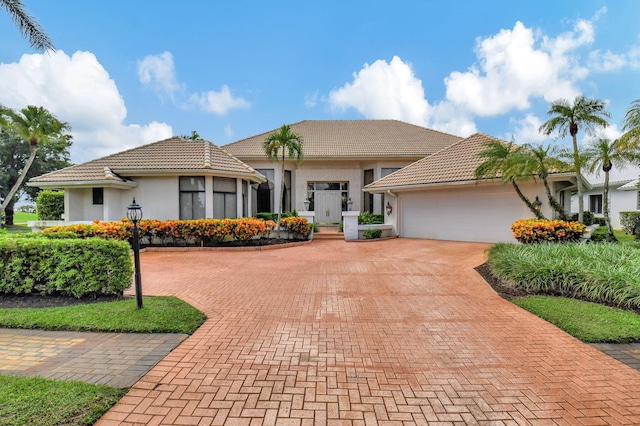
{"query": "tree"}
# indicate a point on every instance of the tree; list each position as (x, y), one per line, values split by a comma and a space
(631, 127)
(193, 137)
(281, 144)
(27, 25)
(14, 153)
(603, 154)
(569, 118)
(540, 160)
(36, 126)
(500, 159)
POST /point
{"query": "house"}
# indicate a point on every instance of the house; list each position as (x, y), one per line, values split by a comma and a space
(170, 179)
(439, 198)
(340, 158)
(624, 196)
(423, 176)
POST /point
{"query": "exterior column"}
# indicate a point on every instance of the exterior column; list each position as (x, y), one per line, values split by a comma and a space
(350, 225)
(238, 197)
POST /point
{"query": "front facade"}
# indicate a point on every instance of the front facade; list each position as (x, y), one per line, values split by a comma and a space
(170, 179)
(340, 158)
(624, 196)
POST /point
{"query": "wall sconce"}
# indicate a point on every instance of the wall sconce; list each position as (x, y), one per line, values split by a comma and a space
(537, 204)
(349, 204)
(306, 204)
(388, 208)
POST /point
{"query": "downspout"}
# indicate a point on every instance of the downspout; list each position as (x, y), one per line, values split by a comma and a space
(397, 216)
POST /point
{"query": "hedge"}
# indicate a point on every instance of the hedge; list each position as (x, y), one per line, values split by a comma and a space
(50, 205)
(299, 227)
(529, 231)
(628, 221)
(69, 267)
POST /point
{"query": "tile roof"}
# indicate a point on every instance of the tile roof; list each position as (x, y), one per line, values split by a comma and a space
(456, 163)
(173, 154)
(354, 139)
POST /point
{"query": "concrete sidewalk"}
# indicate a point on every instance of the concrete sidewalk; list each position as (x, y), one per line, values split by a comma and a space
(113, 359)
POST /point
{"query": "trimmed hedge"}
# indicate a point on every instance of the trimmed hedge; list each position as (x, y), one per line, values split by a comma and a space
(50, 205)
(366, 218)
(628, 221)
(371, 234)
(70, 267)
(531, 231)
(298, 226)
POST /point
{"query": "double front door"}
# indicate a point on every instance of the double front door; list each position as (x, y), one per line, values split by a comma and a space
(328, 206)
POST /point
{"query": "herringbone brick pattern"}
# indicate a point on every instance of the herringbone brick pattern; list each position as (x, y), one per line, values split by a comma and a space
(395, 332)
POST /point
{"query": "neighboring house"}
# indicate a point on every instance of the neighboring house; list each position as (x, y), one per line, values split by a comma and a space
(438, 197)
(170, 179)
(340, 158)
(624, 196)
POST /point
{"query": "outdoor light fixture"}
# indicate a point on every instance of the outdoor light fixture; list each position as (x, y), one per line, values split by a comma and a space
(349, 204)
(134, 214)
(306, 204)
(389, 209)
(537, 203)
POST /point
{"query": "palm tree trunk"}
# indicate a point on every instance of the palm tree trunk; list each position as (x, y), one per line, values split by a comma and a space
(538, 214)
(607, 217)
(555, 205)
(281, 193)
(18, 183)
(576, 163)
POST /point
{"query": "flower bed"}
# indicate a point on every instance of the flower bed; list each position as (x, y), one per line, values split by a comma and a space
(530, 231)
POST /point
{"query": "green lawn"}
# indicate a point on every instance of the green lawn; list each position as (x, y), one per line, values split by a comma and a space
(21, 218)
(29, 401)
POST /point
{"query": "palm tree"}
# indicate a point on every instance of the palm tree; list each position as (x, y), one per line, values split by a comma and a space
(569, 118)
(281, 144)
(499, 162)
(34, 125)
(631, 126)
(27, 25)
(541, 160)
(603, 154)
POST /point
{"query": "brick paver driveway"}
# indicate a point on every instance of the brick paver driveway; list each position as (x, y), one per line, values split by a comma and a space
(391, 332)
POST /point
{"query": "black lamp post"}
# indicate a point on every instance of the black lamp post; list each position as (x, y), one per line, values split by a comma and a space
(134, 213)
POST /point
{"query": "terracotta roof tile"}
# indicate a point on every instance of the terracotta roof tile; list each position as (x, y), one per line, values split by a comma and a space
(456, 163)
(170, 154)
(354, 138)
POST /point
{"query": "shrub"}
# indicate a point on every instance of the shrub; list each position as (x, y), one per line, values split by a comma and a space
(71, 267)
(587, 218)
(299, 227)
(370, 234)
(366, 218)
(50, 205)
(599, 221)
(530, 231)
(27, 208)
(628, 221)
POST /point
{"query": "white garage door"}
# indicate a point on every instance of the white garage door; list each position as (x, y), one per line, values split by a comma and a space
(460, 215)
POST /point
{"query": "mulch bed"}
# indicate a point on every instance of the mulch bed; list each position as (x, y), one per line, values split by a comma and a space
(498, 286)
(41, 301)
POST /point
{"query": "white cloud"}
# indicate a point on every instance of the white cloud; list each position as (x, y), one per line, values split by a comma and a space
(219, 102)
(311, 99)
(516, 65)
(158, 72)
(384, 91)
(78, 90)
(527, 130)
(228, 131)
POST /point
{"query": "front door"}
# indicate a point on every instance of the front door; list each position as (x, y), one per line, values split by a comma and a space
(328, 206)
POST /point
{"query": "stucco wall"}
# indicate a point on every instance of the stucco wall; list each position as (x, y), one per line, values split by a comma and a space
(619, 201)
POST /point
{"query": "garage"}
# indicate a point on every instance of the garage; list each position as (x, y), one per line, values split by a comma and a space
(480, 214)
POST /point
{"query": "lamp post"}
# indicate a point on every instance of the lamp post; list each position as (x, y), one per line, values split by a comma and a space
(134, 213)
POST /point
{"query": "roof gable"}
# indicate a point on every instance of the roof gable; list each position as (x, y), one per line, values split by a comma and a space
(173, 154)
(350, 139)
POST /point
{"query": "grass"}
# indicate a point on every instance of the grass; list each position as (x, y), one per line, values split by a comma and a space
(21, 218)
(158, 315)
(587, 321)
(34, 400)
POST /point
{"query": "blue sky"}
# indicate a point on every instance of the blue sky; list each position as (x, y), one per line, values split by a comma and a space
(132, 72)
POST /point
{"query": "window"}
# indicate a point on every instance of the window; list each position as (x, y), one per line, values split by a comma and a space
(595, 203)
(286, 195)
(386, 171)
(368, 197)
(224, 198)
(98, 196)
(192, 197)
(264, 201)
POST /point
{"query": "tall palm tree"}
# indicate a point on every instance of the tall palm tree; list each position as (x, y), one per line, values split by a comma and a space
(541, 160)
(631, 126)
(499, 163)
(281, 144)
(603, 154)
(34, 125)
(27, 25)
(569, 118)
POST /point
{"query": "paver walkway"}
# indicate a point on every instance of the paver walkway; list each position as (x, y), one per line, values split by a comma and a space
(392, 332)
